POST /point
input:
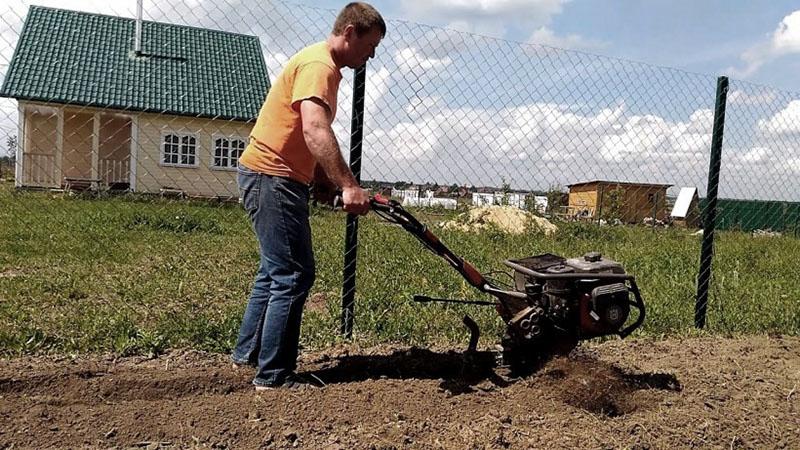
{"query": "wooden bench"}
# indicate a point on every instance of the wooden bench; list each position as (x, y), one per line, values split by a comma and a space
(81, 184)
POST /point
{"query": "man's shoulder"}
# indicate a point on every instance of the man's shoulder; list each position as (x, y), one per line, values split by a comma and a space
(314, 53)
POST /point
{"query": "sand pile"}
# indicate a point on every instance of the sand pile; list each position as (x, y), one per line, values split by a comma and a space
(507, 218)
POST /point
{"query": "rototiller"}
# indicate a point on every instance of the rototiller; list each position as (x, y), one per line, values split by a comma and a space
(555, 302)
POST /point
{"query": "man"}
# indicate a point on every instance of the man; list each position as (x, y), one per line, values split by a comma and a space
(291, 145)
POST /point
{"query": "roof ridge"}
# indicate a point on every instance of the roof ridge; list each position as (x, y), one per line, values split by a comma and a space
(87, 13)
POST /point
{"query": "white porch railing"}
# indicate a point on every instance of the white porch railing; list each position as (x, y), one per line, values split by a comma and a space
(114, 171)
(39, 170)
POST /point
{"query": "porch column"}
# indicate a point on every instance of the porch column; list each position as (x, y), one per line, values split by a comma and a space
(95, 146)
(58, 169)
(20, 145)
(134, 161)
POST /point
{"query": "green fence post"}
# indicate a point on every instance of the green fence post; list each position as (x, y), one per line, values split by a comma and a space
(707, 249)
(351, 233)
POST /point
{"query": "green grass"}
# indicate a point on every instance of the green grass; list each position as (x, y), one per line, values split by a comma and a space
(138, 275)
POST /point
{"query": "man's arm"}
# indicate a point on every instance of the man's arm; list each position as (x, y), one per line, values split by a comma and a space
(323, 190)
(322, 143)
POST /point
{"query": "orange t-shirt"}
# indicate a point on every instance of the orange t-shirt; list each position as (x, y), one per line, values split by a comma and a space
(277, 146)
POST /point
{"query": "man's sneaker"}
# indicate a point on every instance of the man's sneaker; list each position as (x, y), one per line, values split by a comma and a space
(293, 381)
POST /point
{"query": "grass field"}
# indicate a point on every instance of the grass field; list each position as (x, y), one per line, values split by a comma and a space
(135, 275)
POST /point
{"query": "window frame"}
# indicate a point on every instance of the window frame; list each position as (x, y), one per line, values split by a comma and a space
(181, 135)
(213, 153)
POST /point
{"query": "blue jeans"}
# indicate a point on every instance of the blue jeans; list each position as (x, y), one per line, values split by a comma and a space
(270, 331)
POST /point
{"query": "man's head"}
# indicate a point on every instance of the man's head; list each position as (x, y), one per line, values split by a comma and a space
(356, 33)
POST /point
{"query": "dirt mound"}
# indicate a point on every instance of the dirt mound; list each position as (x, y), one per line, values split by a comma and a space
(602, 388)
(704, 393)
(506, 218)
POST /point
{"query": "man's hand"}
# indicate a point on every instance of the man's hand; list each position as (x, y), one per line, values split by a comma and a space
(356, 200)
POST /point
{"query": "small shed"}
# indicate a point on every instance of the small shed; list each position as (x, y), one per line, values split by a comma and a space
(620, 200)
(686, 211)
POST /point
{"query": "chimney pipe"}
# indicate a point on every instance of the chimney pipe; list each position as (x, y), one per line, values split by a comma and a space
(137, 46)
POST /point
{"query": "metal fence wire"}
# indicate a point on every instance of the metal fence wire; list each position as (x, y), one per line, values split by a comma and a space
(449, 118)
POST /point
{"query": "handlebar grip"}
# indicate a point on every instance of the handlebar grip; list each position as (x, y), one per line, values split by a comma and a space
(338, 201)
(378, 198)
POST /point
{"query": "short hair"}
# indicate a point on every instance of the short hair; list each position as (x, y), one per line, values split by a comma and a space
(363, 16)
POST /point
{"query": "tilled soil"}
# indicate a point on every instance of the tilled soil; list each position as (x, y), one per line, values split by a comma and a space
(678, 393)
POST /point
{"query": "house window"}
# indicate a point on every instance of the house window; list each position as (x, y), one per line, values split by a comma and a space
(179, 150)
(227, 152)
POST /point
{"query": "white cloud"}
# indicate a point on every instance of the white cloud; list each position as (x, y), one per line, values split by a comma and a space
(783, 122)
(420, 106)
(784, 40)
(546, 36)
(495, 17)
(755, 154)
(409, 60)
(521, 11)
(540, 144)
(740, 97)
(275, 63)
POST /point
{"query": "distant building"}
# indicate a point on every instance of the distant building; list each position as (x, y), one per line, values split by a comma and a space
(402, 194)
(686, 211)
(446, 203)
(628, 202)
(482, 199)
(499, 198)
(540, 204)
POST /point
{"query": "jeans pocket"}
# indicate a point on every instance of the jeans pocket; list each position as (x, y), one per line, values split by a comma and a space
(293, 194)
(249, 189)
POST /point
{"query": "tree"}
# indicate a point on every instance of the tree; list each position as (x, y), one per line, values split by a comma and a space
(530, 203)
(7, 162)
(613, 204)
(505, 189)
(11, 147)
(554, 196)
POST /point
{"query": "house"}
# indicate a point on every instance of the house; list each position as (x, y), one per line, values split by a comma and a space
(686, 211)
(155, 107)
(462, 192)
(499, 198)
(402, 194)
(628, 202)
(446, 203)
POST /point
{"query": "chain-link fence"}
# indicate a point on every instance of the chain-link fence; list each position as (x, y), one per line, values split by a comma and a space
(614, 152)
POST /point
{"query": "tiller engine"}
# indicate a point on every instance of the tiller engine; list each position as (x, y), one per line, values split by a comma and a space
(555, 302)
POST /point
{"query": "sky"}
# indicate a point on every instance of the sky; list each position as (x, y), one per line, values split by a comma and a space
(754, 41)
(540, 93)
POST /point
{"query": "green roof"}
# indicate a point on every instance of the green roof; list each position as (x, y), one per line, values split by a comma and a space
(87, 59)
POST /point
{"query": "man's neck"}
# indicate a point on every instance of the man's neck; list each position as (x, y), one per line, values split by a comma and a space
(335, 43)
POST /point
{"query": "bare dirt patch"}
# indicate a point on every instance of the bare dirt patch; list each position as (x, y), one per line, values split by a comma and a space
(317, 301)
(705, 393)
